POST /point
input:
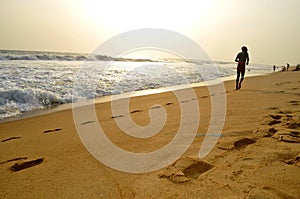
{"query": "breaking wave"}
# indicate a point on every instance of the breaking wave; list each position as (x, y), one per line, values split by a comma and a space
(14, 102)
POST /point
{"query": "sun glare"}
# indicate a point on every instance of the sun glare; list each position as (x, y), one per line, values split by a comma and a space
(117, 16)
(151, 54)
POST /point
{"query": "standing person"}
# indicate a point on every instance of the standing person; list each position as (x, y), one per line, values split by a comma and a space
(287, 67)
(274, 67)
(243, 59)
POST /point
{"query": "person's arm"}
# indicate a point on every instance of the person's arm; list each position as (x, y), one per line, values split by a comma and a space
(247, 59)
(237, 58)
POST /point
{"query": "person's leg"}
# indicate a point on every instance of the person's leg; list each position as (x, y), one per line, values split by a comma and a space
(242, 78)
(237, 79)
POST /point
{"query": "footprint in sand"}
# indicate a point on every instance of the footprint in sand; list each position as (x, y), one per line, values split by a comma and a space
(276, 117)
(136, 111)
(282, 83)
(294, 161)
(272, 108)
(117, 116)
(288, 130)
(284, 112)
(243, 143)
(11, 138)
(271, 120)
(294, 102)
(14, 159)
(52, 130)
(184, 101)
(185, 169)
(205, 96)
(87, 122)
(293, 124)
(265, 132)
(26, 164)
(287, 135)
(274, 122)
(235, 143)
(155, 107)
(169, 103)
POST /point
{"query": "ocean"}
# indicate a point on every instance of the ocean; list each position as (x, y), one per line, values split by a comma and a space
(34, 80)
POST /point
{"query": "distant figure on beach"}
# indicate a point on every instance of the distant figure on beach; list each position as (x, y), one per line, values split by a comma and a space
(274, 67)
(243, 59)
(287, 67)
(283, 68)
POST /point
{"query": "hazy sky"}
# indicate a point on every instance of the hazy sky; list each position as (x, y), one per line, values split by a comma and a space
(269, 28)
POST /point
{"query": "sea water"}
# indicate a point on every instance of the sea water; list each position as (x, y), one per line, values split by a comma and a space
(32, 80)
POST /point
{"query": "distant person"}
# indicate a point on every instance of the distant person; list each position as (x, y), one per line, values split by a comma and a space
(283, 68)
(243, 59)
(274, 68)
(287, 67)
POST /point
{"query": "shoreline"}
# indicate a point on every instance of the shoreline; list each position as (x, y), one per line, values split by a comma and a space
(62, 107)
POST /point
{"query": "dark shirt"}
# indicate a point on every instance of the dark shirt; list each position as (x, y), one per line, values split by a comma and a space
(242, 57)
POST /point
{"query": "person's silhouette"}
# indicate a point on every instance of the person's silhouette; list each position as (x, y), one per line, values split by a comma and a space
(243, 59)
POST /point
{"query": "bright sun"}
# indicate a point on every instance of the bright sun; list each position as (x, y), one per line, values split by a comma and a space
(132, 14)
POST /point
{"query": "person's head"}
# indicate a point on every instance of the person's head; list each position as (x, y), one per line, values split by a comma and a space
(244, 49)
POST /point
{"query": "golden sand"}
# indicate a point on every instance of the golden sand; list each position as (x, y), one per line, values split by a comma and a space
(257, 155)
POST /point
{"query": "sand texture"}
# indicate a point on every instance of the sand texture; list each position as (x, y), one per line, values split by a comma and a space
(257, 155)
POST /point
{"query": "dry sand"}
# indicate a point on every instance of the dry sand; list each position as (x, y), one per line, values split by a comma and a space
(257, 155)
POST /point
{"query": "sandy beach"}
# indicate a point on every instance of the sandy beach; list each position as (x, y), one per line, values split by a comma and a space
(257, 155)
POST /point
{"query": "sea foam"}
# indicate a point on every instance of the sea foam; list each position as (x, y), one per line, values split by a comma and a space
(37, 80)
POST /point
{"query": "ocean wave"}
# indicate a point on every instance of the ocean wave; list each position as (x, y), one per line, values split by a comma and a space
(14, 102)
(57, 57)
(31, 85)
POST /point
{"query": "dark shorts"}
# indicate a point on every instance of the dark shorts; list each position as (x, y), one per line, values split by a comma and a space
(241, 67)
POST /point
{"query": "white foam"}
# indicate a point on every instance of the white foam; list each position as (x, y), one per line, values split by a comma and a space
(32, 84)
